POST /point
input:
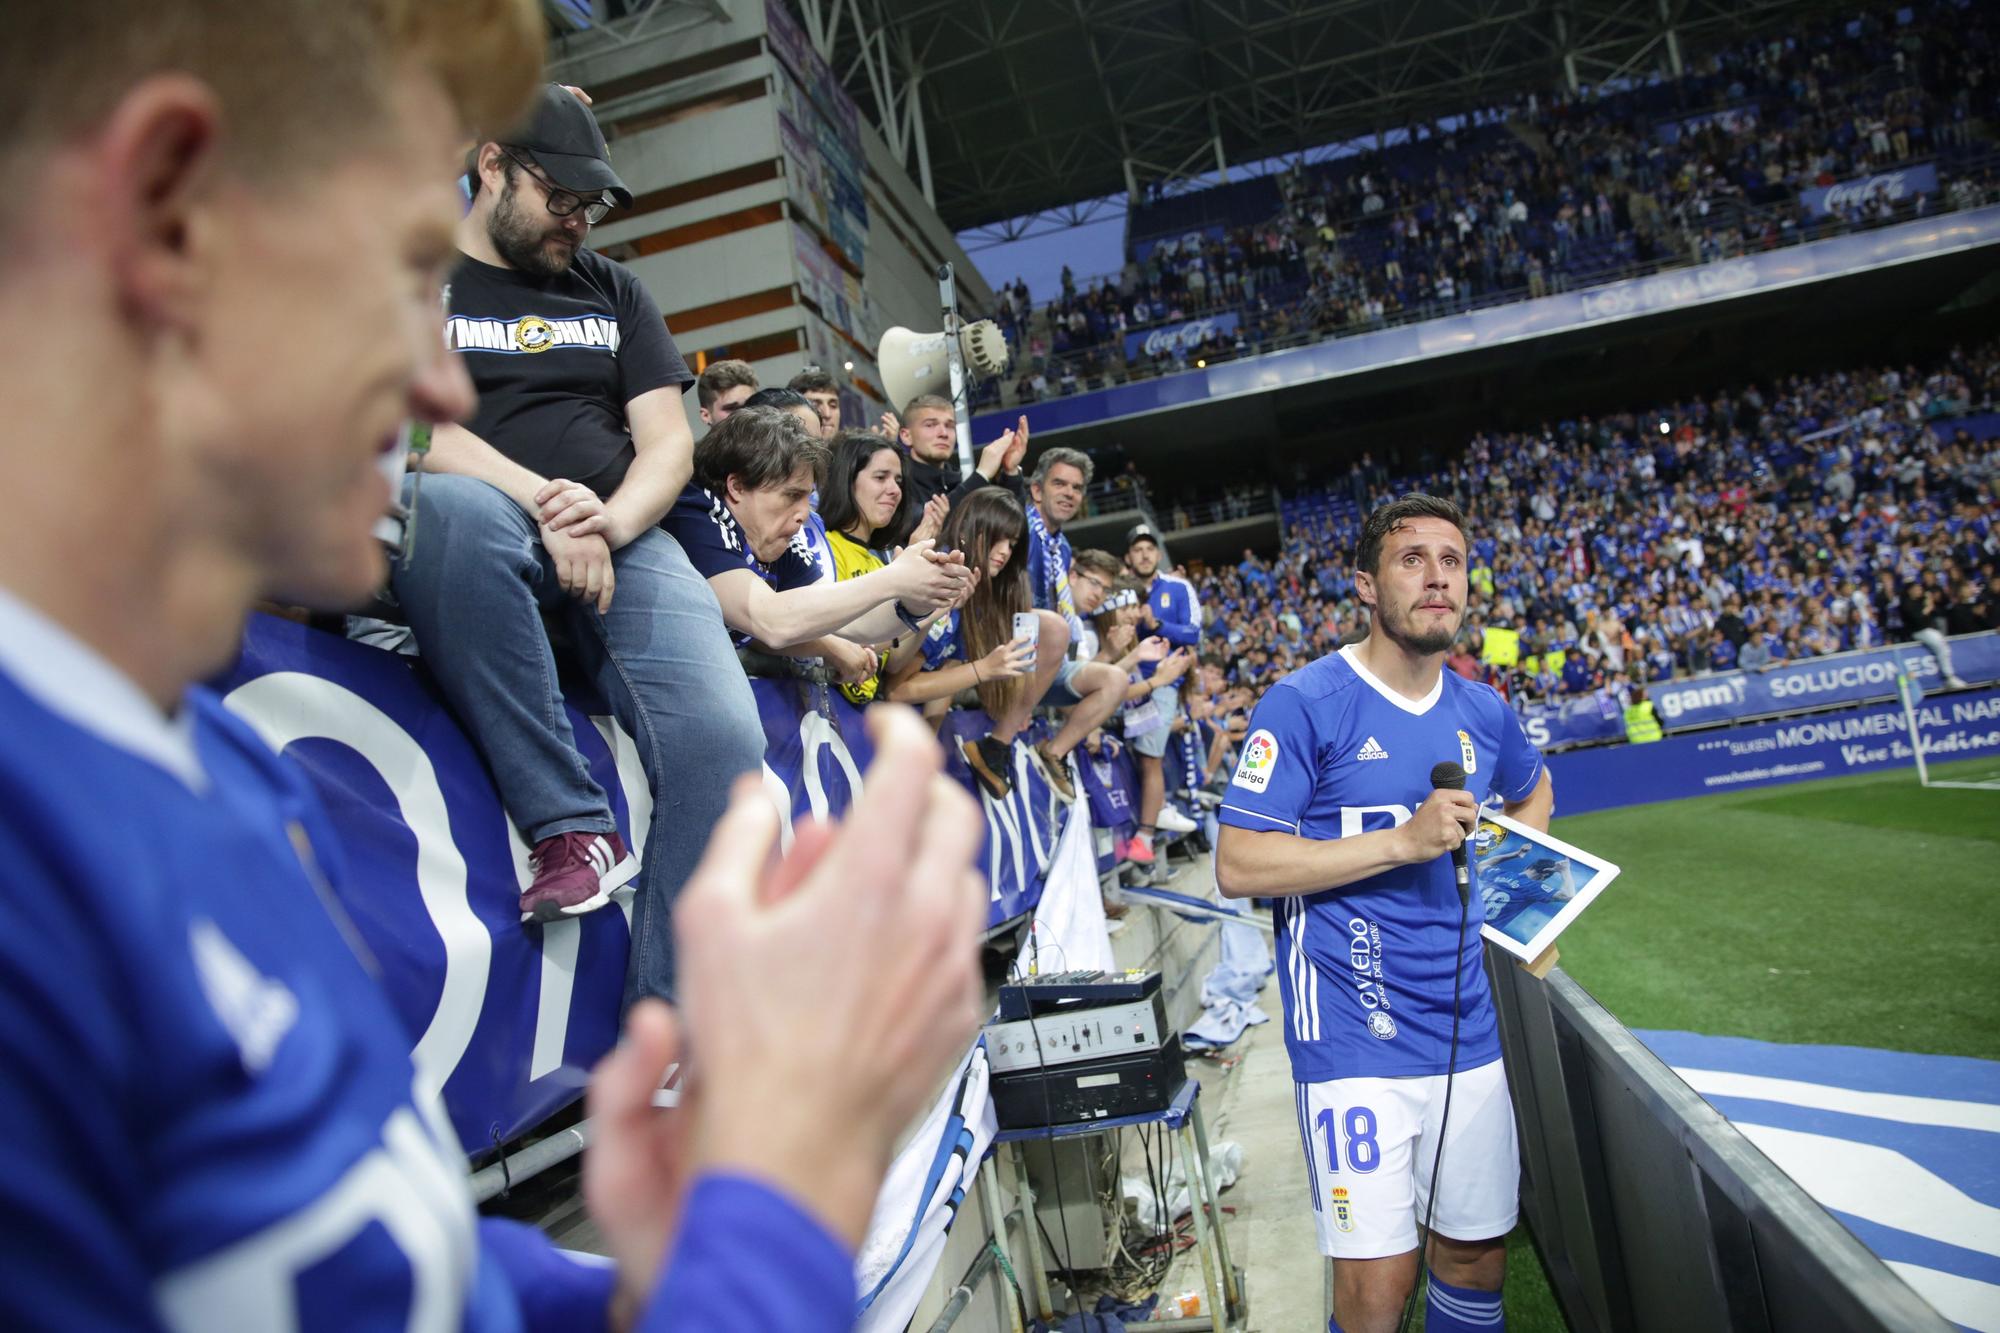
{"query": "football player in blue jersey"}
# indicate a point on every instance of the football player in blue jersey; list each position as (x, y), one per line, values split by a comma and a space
(222, 241)
(1389, 1020)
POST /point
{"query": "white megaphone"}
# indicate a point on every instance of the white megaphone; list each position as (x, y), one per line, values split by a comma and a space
(916, 363)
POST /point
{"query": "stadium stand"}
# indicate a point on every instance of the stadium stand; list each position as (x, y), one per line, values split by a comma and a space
(1760, 525)
(1848, 124)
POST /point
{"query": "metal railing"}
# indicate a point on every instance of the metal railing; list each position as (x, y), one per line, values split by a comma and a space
(1254, 502)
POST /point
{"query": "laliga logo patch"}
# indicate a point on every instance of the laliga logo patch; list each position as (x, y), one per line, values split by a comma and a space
(1465, 754)
(1381, 1026)
(1343, 1209)
(1260, 756)
(533, 334)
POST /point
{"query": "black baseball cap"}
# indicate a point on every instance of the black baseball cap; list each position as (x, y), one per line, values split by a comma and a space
(1141, 532)
(562, 138)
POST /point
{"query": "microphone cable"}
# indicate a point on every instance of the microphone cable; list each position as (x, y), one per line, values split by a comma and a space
(1444, 1121)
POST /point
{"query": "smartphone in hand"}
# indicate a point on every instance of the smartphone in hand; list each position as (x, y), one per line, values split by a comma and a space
(1027, 628)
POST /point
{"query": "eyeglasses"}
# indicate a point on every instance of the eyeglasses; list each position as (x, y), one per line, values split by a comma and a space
(563, 202)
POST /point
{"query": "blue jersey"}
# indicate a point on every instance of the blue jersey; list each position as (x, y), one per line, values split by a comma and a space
(943, 644)
(1368, 968)
(1178, 611)
(715, 544)
(1048, 572)
(213, 1120)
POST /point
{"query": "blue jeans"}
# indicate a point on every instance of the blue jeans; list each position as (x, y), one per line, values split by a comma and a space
(475, 597)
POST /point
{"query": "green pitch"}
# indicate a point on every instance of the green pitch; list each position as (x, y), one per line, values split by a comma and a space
(1858, 911)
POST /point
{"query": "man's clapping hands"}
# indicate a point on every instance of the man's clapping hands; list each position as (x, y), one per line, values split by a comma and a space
(824, 992)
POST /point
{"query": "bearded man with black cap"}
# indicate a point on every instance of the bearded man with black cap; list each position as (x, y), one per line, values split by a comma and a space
(548, 514)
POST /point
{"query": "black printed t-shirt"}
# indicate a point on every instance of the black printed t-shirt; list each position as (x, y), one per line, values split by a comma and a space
(701, 522)
(556, 361)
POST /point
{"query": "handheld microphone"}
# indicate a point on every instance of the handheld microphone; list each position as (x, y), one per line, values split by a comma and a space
(1449, 776)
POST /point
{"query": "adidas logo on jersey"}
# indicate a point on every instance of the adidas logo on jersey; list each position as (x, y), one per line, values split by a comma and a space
(1372, 750)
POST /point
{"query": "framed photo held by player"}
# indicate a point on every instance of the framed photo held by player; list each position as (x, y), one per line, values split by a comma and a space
(1532, 884)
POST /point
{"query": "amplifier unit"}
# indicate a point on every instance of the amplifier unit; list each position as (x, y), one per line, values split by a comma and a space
(1101, 1090)
(1077, 1036)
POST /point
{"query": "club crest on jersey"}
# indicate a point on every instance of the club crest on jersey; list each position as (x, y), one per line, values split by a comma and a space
(1381, 1026)
(1260, 757)
(1343, 1209)
(1465, 753)
(1372, 750)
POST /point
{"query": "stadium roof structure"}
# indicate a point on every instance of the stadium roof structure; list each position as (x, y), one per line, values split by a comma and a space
(1004, 109)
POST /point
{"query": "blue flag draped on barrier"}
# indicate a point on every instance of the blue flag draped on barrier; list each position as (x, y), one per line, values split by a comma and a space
(510, 1018)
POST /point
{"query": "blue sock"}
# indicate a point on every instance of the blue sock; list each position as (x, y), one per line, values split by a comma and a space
(1449, 1309)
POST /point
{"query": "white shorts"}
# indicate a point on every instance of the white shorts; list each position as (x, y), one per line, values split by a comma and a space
(1369, 1200)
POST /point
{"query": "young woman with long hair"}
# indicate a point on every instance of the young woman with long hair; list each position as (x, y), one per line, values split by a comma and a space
(974, 648)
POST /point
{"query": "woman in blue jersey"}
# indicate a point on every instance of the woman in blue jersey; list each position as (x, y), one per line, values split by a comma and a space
(973, 647)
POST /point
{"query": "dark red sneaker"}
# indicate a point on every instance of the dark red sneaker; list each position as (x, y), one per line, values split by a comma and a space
(576, 873)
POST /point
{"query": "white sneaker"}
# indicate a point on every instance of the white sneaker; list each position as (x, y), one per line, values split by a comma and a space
(1173, 821)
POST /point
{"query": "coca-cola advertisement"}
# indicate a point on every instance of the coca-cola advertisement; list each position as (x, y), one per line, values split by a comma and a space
(1897, 187)
(1171, 338)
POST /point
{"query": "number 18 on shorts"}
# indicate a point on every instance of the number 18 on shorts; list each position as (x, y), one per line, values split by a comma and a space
(1369, 1144)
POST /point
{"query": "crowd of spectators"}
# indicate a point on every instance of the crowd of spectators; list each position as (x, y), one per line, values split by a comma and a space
(1765, 524)
(1545, 194)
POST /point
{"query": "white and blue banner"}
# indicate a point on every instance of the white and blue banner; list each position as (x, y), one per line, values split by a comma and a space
(1817, 682)
(509, 1018)
(1735, 120)
(920, 1198)
(1862, 740)
(1142, 250)
(1898, 187)
(1577, 720)
(1170, 338)
(1112, 787)
(1735, 696)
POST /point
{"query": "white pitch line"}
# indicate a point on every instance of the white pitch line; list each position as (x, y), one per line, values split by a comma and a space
(1881, 1185)
(1879, 1105)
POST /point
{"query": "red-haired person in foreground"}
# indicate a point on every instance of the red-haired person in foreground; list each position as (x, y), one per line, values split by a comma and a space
(227, 225)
